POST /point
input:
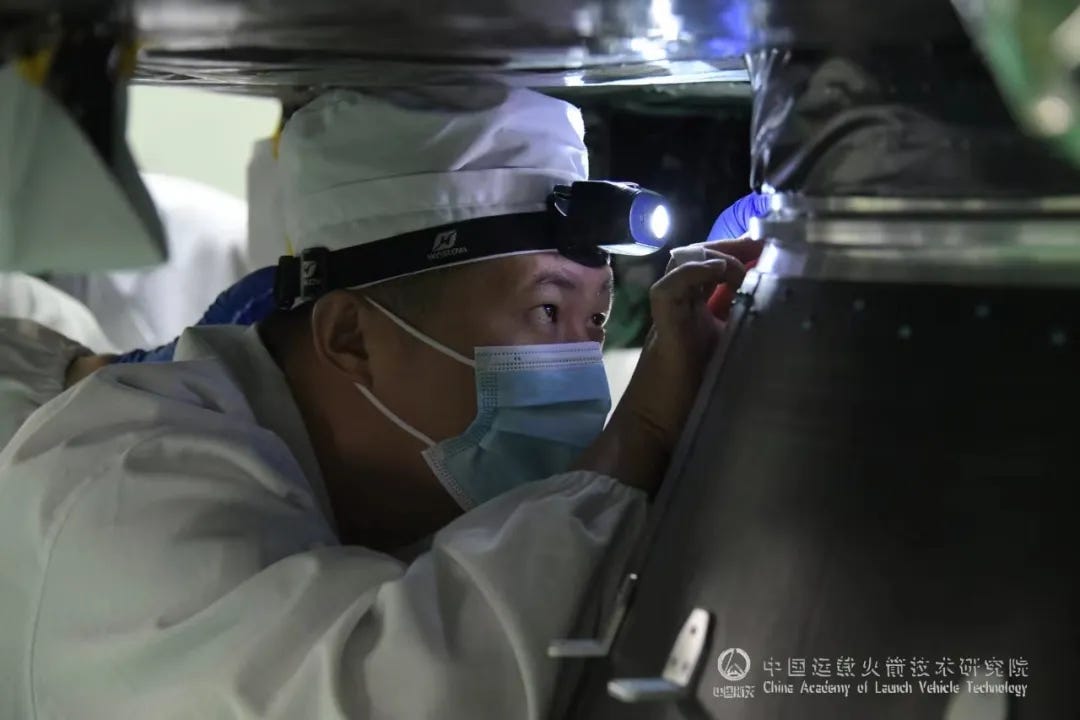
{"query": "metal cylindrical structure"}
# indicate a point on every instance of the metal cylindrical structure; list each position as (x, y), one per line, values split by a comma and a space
(881, 467)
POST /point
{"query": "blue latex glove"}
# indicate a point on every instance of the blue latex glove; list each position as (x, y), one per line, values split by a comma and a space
(249, 300)
(735, 221)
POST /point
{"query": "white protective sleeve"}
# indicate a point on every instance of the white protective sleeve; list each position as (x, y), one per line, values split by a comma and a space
(185, 572)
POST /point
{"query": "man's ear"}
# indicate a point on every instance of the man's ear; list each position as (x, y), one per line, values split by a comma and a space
(338, 329)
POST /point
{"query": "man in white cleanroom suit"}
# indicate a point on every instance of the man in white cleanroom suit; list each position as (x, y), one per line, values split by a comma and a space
(381, 503)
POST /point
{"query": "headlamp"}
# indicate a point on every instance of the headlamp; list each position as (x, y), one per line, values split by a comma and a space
(615, 217)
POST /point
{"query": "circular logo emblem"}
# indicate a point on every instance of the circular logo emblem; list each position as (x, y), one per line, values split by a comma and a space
(733, 664)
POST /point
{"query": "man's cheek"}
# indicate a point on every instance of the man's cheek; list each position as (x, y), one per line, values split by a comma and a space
(450, 402)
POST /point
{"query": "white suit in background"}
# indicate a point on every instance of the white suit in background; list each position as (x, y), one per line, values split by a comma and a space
(206, 234)
(33, 364)
(25, 297)
(266, 224)
(42, 329)
(170, 550)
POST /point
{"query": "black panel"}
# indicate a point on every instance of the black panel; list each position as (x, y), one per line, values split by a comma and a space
(880, 471)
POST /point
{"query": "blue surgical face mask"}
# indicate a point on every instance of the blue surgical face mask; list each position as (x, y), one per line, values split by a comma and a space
(538, 407)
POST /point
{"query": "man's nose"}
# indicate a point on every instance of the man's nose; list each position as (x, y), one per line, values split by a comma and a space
(583, 333)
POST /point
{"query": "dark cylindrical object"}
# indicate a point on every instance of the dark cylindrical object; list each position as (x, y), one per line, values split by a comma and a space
(898, 121)
(881, 471)
(882, 475)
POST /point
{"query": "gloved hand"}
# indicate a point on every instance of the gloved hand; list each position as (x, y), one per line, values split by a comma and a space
(734, 222)
(247, 301)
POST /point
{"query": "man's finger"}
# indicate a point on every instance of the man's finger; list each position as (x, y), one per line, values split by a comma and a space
(717, 255)
(745, 249)
(693, 275)
(699, 253)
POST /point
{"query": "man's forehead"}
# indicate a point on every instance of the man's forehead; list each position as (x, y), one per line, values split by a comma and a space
(554, 269)
(524, 274)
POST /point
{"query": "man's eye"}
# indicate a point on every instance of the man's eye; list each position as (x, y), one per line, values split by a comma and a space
(599, 320)
(550, 313)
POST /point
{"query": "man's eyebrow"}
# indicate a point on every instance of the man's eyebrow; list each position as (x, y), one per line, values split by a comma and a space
(552, 277)
(567, 282)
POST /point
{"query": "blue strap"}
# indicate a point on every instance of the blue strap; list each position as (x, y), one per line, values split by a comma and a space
(246, 302)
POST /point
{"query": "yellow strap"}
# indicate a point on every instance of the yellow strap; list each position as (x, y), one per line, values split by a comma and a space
(129, 57)
(275, 145)
(275, 139)
(35, 68)
(275, 142)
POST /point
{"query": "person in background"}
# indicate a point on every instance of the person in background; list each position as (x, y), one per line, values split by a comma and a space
(381, 502)
(266, 227)
(44, 332)
(206, 236)
(28, 298)
(49, 339)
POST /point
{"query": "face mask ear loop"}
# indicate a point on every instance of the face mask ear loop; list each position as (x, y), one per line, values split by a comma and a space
(428, 442)
(387, 412)
(430, 342)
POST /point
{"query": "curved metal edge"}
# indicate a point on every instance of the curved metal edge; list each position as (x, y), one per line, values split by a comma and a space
(684, 448)
(938, 266)
(268, 78)
(790, 205)
(1033, 248)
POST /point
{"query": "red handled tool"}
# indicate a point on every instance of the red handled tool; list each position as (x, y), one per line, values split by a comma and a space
(724, 296)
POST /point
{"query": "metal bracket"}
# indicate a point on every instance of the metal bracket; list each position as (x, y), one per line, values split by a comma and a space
(598, 647)
(682, 663)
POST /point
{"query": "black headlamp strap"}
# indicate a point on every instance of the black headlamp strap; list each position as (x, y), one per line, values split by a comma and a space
(317, 271)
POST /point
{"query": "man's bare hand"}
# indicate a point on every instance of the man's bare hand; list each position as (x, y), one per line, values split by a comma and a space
(82, 366)
(684, 335)
(636, 446)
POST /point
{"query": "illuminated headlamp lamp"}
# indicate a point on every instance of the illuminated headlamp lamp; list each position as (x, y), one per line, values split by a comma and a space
(615, 217)
(584, 222)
